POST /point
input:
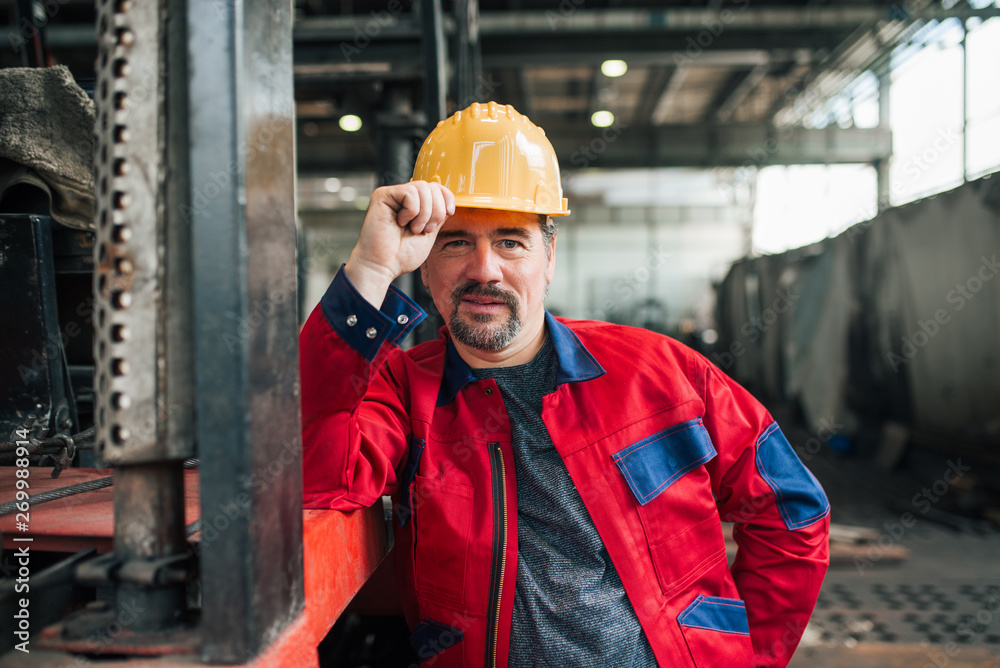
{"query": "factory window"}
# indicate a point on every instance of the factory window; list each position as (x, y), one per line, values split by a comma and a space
(801, 204)
(932, 150)
(983, 124)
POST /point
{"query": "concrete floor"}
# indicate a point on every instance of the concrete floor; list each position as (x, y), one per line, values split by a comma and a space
(937, 608)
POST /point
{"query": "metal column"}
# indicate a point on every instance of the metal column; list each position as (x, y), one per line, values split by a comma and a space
(399, 131)
(435, 64)
(242, 165)
(144, 410)
(468, 53)
(435, 88)
(965, 101)
(882, 165)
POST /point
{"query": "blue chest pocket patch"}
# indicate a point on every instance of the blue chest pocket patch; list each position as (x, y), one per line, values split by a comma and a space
(656, 462)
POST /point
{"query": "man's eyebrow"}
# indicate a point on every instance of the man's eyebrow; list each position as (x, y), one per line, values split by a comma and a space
(451, 234)
(520, 232)
(512, 232)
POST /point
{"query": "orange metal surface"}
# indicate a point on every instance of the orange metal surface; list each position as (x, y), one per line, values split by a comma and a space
(341, 551)
(76, 522)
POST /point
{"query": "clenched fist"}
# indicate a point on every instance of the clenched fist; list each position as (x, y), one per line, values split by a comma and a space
(399, 230)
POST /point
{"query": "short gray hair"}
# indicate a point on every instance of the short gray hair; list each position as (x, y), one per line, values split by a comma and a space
(549, 229)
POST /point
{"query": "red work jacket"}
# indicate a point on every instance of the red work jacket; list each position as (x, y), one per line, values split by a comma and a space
(662, 446)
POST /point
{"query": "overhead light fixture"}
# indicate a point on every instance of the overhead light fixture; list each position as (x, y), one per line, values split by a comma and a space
(614, 68)
(348, 194)
(332, 184)
(602, 119)
(350, 123)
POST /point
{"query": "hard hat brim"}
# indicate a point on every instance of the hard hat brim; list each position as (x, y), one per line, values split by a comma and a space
(507, 204)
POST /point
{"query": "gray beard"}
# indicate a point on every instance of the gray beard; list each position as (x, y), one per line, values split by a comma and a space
(492, 338)
(484, 337)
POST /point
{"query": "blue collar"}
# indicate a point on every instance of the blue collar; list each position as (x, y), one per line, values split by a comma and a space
(574, 362)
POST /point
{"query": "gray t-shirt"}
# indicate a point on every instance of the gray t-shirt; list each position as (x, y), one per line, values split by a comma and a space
(570, 608)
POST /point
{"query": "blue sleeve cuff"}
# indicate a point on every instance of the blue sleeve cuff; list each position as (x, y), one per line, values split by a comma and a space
(364, 327)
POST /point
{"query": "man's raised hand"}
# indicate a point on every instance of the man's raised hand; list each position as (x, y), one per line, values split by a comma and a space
(399, 230)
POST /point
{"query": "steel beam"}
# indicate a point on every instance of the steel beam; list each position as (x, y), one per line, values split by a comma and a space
(715, 145)
(144, 417)
(143, 376)
(655, 86)
(732, 15)
(670, 93)
(641, 146)
(435, 67)
(466, 38)
(734, 97)
(242, 216)
(738, 15)
(882, 165)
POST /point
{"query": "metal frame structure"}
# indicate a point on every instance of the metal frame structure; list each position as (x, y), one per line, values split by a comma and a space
(195, 342)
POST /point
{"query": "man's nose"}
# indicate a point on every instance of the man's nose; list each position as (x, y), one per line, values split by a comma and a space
(484, 265)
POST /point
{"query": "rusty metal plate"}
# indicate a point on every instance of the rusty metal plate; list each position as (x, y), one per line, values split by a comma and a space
(138, 399)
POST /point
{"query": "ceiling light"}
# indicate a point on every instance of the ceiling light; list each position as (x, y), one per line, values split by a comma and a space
(348, 194)
(602, 119)
(350, 123)
(614, 68)
(332, 185)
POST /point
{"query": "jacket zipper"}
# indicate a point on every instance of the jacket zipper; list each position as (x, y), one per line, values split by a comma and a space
(499, 564)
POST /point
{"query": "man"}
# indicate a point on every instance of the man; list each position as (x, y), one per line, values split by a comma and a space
(558, 485)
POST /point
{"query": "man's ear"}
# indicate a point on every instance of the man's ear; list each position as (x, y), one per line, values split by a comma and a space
(550, 269)
(423, 274)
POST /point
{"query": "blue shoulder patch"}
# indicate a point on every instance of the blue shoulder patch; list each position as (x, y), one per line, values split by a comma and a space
(658, 461)
(727, 615)
(800, 498)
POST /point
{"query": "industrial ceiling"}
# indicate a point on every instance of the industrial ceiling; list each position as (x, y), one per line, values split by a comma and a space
(722, 83)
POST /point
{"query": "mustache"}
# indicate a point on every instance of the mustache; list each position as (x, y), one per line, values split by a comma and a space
(477, 289)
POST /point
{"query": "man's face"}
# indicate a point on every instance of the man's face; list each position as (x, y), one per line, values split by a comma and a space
(488, 273)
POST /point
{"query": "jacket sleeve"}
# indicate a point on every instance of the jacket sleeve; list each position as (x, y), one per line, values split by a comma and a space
(355, 427)
(781, 517)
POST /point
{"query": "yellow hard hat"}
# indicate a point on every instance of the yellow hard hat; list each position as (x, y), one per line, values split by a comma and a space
(492, 157)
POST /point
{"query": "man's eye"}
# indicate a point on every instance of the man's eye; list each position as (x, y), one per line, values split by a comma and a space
(510, 244)
(455, 244)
